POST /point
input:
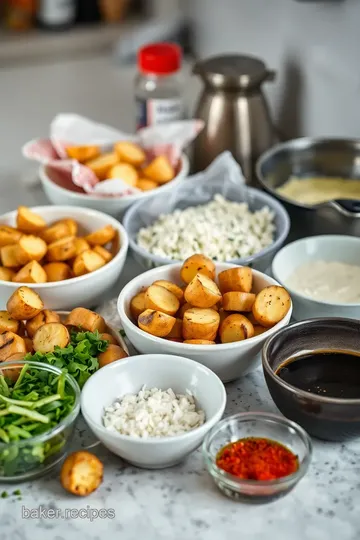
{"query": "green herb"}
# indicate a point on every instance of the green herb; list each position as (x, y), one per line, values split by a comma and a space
(17, 492)
(122, 332)
(79, 358)
(4, 495)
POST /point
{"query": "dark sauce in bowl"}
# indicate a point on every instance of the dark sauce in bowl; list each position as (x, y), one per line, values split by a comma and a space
(332, 374)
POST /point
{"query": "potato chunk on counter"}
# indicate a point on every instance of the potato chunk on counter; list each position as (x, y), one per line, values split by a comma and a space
(81, 473)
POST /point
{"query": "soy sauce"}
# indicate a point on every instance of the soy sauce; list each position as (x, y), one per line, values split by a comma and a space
(334, 374)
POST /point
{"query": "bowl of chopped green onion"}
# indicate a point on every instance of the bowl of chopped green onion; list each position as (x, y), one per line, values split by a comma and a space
(39, 405)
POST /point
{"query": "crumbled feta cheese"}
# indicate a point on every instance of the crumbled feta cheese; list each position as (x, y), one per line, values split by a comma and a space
(153, 413)
(222, 230)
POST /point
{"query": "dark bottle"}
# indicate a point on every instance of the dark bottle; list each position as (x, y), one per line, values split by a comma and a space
(56, 14)
(87, 11)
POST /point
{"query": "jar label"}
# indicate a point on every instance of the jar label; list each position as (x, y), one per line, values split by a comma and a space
(158, 111)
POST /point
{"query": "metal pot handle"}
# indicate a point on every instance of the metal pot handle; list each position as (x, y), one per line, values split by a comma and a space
(346, 207)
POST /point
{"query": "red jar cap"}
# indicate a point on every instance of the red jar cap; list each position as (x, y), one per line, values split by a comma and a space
(160, 58)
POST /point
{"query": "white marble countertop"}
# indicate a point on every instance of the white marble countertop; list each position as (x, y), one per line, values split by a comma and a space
(179, 503)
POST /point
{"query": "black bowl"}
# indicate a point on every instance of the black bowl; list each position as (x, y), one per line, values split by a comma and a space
(332, 419)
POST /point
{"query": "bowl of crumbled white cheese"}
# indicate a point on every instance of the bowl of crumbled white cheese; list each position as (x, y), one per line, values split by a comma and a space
(245, 227)
(153, 410)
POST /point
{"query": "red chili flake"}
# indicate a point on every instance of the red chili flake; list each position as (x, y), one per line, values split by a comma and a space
(256, 458)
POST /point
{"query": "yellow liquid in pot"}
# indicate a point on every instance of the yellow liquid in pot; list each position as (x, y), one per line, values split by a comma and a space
(315, 190)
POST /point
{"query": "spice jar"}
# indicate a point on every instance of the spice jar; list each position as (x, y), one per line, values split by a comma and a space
(158, 86)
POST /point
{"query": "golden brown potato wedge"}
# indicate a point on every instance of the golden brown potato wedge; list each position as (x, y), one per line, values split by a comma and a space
(161, 299)
(24, 304)
(9, 235)
(6, 274)
(32, 272)
(57, 271)
(81, 473)
(197, 264)
(202, 292)
(112, 353)
(235, 279)
(11, 344)
(271, 305)
(184, 307)
(71, 225)
(101, 165)
(85, 319)
(104, 253)
(176, 331)
(88, 261)
(7, 323)
(30, 248)
(130, 152)
(236, 327)
(28, 345)
(81, 245)
(101, 236)
(83, 153)
(199, 342)
(125, 172)
(44, 317)
(109, 338)
(160, 170)
(9, 256)
(258, 329)
(56, 232)
(61, 250)
(175, 289)
(146, 185)
(28, 221)
(50, 335)
(200, 324)
(238, 301)
(137, 305)
(156, 323)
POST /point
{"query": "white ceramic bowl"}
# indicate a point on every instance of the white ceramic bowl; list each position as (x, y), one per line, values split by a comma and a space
(155, 370)
(114, 206)
(228, 360)
(341, 248)
(84, 291)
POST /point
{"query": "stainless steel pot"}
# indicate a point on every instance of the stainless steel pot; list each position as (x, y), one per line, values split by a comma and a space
(314, 157)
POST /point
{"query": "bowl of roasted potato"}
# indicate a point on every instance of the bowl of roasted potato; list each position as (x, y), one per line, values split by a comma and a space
(70, 256)
(126, 161)
(218, 314)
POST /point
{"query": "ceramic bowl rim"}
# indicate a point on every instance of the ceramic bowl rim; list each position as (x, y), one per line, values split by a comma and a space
(301, 241)
(178, 347)
(289, 387)
(161, 440)
(74, 211)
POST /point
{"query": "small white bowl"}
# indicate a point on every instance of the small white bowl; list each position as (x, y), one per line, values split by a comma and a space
(228, 360)
(114, 206)
(329, 247)
(162, 371)
(84, 291)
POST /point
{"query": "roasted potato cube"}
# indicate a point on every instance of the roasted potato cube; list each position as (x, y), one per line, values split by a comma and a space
(197, 264)
(44, 317)
(161, 299)
(88, 261)
(28, 344)
(11, 344)
(81, 473)
(6, 274)
(160, 170)
(104, 253)
(238, 301)
(9, 256)
(156, 323)
(176, 331)
(137, 305)
(57, 271)
(7, 323)
(32, 272)
(24, 304)
(61, 250)
(124, 172)
(83, 153)
(71, 225)
(29, 222)
(184, 307)
(271, 305)
(146, 185)
(202, 292)
(81, 245)
(175, 289)
(199, 342)
(9, 235)
(200, 324)
(112, 353)
(30, 248)
(85, 319)
(101, 165)
(235, 279)
(236, 327)
(55, 232)
(50, 335)
(109, 338)
(130, 152)
(101, 236)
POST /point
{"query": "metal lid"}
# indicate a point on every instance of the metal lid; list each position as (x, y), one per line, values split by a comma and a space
(232, 71)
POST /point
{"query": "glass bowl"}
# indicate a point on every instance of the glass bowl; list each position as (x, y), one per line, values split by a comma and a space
(257, 424)
(29, 458)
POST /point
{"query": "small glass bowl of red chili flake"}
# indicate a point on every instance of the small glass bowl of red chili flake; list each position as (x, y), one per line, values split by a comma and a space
(257, 457)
